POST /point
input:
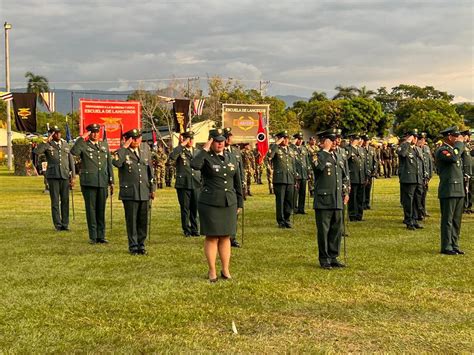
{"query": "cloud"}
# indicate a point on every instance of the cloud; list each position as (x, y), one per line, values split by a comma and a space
(297, 45)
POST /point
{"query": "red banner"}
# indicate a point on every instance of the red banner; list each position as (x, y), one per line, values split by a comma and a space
(116, 116)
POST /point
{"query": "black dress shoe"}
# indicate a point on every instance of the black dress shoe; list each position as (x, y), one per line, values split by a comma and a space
(337, 264)
(225, 277)
(460, 252)
(234, 243)
(134, 252)
(411, 227)
(187, 235)
(418, 226)
(102, 241)
(213, 280)
(449, 252)
(281, 225)
(92, 242)
(65, 228)
(326, 266)
(142, 252)
(288, 225)
(195, 234)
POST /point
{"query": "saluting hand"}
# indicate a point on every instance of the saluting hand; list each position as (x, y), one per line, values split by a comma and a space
(86, 134)
(50, 138)
(280, 140)
(207, 145)
(127, 143)
(185, 142)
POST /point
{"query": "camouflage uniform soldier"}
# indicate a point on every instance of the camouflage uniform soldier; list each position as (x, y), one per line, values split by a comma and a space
(269, 170)
(395, 160)
(258, 166)
(248, 161)
(159, 166)
(386, 158)
(313, 154)
(302, 166)
(170, 170)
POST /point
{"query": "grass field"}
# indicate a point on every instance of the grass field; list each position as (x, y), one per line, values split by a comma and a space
(60, 294)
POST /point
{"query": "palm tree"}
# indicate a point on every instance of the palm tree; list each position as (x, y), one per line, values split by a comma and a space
(364, 93)
(36, 83)
(345, 92)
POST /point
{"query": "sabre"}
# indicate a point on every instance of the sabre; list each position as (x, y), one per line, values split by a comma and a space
(373, 188)
(149, 221)
(72, 200)
(111, 210)
(243, 225)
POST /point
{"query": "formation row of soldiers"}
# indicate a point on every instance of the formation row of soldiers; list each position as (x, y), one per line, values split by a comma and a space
(335, 174)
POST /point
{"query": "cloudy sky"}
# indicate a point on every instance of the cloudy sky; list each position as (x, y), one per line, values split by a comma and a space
(298, 45)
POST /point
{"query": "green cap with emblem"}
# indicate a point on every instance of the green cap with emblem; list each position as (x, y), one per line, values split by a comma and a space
(217, 135)
(453, 130)
(133, 133)
(188, 134)
(354, 135)
(94, 128)
(413, 132)
(282, 134)
(329, 133)
(466, 132)
(298, 135)
(54, 129)
(228, 132)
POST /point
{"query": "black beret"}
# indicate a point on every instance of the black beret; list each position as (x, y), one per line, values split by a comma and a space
(94, 127)
(133, 133)
(217, 134)
(454, 130)
(54, 129)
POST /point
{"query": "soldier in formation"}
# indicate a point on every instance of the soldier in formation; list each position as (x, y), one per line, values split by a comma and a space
(284, 178)
(468, 170)
(330, 196)
(159, 165)
(248, 162)
(170, 171)
(428, 170)
(269, 171)
(302, 167)
(137, 187)
(358, 177)
(451, 191)
(96, 176)
(371, 164)
(386, 159)
(60, 175)
(187, 184)
(258, 166)
(313, 149)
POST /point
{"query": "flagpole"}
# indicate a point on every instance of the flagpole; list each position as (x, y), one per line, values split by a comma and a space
(7, 27)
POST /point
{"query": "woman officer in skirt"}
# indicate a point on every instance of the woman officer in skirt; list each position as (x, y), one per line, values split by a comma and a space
(220, 200)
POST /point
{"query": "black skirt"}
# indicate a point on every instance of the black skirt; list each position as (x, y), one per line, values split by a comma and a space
(217, 221)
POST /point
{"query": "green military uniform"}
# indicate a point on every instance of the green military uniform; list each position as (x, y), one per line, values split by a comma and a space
(358, 177)
(248, 163)
(60, 173)
(395, 160)
(269, 171)
(188, 183)
(450, 191)
(284, 179)
(468, 171)
(411, 178)
(329, 175)
(313, 154)
(341, 152)
(428, 169)
(258, 166)
(136, 185)
(386, 157)
(371, 171)
(96, 175)
(221, 192)
(159, 158)
(170, 171)
(302, 167)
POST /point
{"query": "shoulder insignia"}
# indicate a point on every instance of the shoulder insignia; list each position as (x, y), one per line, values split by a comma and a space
(456, 151)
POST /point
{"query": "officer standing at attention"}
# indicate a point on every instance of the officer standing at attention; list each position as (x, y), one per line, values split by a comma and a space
(237, 154)
(468, 170)
(451, 189)
(428, 169)
(220, 201)
(358, 178)
(248, 162)
(137, 187)
(313, 149)
(188, 183)
(96, 175)
(411, 179)
(60, 175)
(284, 178)
(346, 179)
(371, 169)
(302, 166)
(329, 197)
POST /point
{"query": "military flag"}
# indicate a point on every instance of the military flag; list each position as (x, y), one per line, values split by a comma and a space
(49, 100)
(6, 96)
(181, 114)
(24, 107)
(262, 139)
(198, 105)
(68, 133)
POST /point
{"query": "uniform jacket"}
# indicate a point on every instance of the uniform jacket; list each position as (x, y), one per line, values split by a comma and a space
(410, 169)
(186, 176)
(467, 163)
(221, 184)
(238, 155)
(356, 163)
(135, 173)
(96, 163)
(329, 174)
(60, 160)
(283, 162)
(370, 161)
(302, 161)
(343, 154)
(449, 163)
(428, 161)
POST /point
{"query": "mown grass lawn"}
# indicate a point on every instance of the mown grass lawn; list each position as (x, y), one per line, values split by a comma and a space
(60, 294)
